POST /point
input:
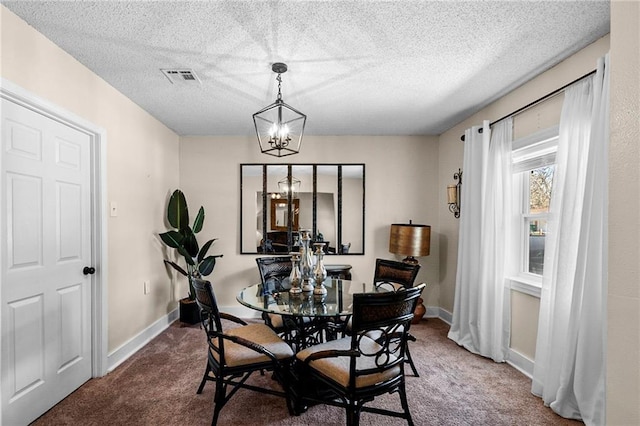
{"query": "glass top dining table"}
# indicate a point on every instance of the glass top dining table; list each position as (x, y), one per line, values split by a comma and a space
(278, 300)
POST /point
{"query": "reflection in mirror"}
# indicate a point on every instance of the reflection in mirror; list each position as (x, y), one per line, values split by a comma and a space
(280, 214)
(352, 200)
(328, 199)
(327, 207)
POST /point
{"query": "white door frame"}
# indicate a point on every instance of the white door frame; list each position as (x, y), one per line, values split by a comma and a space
(98, 157)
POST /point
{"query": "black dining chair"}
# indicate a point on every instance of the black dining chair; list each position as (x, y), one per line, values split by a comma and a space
(237, 352)
(354, 370)
(394, 272)
(274, 273)
(390, 274)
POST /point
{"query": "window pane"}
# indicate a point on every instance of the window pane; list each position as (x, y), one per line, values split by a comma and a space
(540, 186)
(537, 236)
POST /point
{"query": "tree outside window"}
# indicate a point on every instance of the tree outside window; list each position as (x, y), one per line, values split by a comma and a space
(540, 184)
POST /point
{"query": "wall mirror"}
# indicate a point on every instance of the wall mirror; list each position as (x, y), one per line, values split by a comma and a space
(328, 199)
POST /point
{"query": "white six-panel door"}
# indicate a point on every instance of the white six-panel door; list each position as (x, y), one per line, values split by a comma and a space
(46, 298)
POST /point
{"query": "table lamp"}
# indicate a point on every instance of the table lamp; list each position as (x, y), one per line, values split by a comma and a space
(410, 240)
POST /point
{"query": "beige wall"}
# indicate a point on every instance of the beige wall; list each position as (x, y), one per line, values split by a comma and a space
(401, 184)
(142, 165)
(623, 340)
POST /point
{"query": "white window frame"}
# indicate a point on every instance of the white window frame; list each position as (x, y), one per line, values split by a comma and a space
(529, 153)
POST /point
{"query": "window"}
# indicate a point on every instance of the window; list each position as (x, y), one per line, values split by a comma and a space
(533, 168)
(538, 186)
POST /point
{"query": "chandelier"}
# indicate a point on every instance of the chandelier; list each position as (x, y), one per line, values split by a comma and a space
(284, 187)
(279, 127)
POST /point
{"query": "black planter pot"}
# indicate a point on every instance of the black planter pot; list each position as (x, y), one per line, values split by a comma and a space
(189, 311)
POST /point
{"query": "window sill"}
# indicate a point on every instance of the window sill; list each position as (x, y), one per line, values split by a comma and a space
(530, 286)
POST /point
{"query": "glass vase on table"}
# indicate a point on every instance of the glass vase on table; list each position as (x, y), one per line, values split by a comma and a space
(306, 262)
(319, 271)
(295, 278)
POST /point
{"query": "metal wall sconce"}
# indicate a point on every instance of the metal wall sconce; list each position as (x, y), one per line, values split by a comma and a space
(279, 127)
(454, 193)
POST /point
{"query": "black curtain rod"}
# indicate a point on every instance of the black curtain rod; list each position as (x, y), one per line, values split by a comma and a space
(537, 101)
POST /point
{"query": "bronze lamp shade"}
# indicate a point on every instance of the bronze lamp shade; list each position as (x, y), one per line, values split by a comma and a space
(410, 240)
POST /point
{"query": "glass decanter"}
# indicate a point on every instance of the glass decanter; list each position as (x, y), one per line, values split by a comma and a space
(295, 277)
(319, 272)
(306, 262)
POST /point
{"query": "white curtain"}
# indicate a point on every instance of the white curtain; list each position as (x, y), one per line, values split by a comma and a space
(481, 309)
(569, 372)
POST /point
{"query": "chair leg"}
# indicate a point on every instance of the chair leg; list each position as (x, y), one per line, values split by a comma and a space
(405, 404)
(219, 400)
(410, 361)
(204, 379)
(353, 414)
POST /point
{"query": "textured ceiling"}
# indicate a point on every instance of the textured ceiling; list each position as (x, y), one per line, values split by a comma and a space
(355, 67)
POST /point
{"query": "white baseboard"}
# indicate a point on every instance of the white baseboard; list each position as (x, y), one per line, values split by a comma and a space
(445, 315)
(438, 312)
(432, 312)
(125, 351)
(520, 363)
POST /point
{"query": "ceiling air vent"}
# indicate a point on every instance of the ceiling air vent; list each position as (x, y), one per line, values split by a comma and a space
(182, 75)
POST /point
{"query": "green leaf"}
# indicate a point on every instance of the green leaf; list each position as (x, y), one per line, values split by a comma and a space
(177, 211)
(190, 244)
(205, 249)
(172, 238)
(207, 265)
(187, 257)
(176, 267)
(197, 224)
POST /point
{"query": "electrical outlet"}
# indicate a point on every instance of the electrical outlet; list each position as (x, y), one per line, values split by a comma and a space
(147, 287)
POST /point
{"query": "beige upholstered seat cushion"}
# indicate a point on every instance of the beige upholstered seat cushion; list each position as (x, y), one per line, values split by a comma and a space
(277, 321)
(236, 355)
(337, 369)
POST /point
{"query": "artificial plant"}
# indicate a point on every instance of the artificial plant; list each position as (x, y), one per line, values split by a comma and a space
(183, 239)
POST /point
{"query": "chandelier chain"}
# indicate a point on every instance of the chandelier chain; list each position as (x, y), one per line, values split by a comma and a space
(279, 79)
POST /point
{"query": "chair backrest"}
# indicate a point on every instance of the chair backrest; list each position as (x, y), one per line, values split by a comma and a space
(273, 270)
(381, 310)
(384, 317)
(206, 300)
(391, 271)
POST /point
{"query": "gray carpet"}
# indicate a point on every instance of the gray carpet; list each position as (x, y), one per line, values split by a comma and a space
(157, 386)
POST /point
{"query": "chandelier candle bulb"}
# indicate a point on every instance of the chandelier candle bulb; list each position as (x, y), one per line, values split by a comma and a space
(452, 194)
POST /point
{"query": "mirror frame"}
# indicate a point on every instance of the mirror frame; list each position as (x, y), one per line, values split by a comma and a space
(285, 202)
(290, 228)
